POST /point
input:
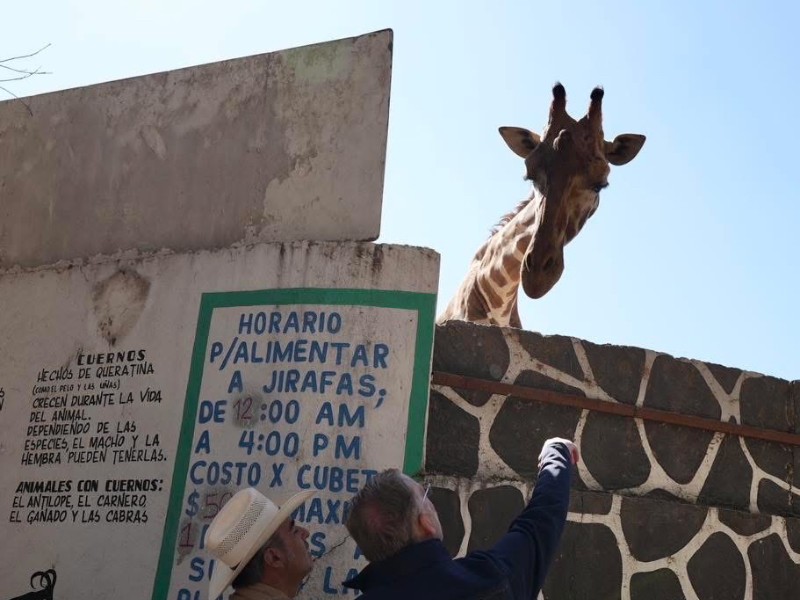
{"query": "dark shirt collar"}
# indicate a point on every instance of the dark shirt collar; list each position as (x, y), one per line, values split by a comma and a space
(406, 562)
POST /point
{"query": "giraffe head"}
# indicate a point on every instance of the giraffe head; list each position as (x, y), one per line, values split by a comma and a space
(568, 165)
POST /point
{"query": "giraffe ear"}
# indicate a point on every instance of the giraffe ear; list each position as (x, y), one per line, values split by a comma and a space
(624, 148)
(520, 140)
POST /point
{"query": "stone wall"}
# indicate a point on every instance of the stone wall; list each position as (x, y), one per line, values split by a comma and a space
(657, 510)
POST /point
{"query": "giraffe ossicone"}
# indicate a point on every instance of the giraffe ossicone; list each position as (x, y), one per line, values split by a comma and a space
(568, 166)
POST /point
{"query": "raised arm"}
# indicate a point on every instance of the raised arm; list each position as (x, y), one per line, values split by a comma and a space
(527, 550)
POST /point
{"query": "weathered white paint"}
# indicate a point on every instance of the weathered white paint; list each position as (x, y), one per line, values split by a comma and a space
(283, 146)
(58, 320)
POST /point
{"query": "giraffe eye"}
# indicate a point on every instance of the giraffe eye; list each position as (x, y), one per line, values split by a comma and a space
(598, 187)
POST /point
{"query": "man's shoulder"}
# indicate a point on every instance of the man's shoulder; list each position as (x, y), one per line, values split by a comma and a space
(473, 577)
(482, 563)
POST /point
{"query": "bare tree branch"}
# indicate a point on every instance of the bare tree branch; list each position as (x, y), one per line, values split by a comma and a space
(37, 70)
(5, 60)
(10, 93)
(23, 74)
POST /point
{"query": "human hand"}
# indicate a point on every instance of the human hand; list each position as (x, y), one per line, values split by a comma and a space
(573, 449)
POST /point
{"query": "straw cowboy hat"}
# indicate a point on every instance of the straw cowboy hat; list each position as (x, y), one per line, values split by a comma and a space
(243, 526)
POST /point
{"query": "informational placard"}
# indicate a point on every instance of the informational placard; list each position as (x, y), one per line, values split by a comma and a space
(136, 397)
(296, 390)
(88, 415)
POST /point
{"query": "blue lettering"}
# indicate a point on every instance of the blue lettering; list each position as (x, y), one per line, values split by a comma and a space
(236, 384)
(300, 350)
(320, 443)
(292, 411)
(212, 411)
(279, 353)
(332, 478)
(345, 385)
(241, 353)
(328, 587)
(318, 350)
(204, 443)
(214, 473)
(216, 351)
(339, 346)
(309, 321)
(261, 323)
(325, 413)
(292, 322)
(334, 323)
(315, 511)
(276, 412)
(277, 471)
(301, 482)
(245, 323)
(326, 584)
(325, 478)
(203, 537)
(317, 544)
(351, 572)
(381, 352)
(290, 444)
(327, 380)
(197, 566)
(346, 417)
(343, 450)
(275, 322)
(359, 356)
(310, 381)
(254, 357)
(332, 512)
(367, 389)
(292, 377)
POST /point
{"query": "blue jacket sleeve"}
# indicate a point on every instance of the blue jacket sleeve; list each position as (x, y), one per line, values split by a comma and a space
(526, 551)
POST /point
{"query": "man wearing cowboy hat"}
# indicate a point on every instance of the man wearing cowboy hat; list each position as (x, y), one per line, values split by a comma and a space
(258, 547)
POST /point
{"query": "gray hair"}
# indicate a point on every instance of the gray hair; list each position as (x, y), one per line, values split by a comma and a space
(253, 571)
(382, 515)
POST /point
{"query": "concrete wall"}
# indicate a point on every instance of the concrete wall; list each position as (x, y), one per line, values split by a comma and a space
(658, 511)
(138, 394)
(167, 340)
(282, 146)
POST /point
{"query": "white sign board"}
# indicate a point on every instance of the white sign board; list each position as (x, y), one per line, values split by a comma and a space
(137, 397)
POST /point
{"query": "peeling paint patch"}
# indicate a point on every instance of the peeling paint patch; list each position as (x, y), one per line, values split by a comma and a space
(118, 303)
(154, 141)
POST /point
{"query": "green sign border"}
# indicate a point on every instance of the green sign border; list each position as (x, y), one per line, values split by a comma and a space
(423, 304)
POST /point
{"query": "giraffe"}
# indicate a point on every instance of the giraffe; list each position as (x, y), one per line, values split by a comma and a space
(568, 166)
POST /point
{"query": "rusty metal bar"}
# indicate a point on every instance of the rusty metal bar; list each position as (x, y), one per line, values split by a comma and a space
(622, 410)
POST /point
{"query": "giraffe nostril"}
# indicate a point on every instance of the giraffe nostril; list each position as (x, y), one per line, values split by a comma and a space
(548, 264)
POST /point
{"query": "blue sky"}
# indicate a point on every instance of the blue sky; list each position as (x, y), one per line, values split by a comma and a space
(693, 250)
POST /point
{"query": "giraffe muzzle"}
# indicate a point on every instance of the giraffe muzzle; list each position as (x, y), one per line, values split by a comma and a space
(540, 274)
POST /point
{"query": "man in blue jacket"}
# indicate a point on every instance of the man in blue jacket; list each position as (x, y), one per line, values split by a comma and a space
(397, 528)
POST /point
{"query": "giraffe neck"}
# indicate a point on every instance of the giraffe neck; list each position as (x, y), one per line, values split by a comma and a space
(489, 292)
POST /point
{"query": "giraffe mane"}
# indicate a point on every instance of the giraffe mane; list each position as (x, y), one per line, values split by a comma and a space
(508, 216)
(500, 224)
